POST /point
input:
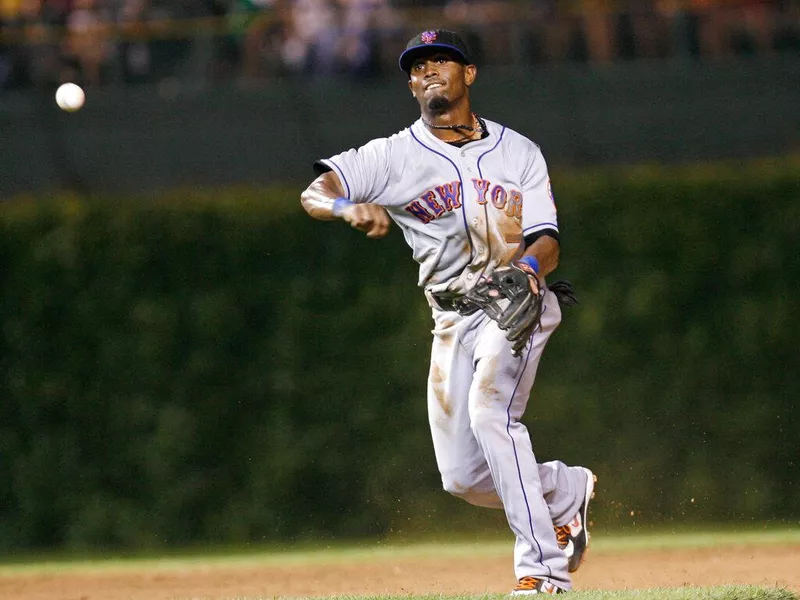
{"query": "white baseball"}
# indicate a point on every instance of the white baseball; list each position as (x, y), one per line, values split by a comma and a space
(70, 97)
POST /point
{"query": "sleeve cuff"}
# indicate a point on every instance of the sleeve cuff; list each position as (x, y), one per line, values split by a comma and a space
(535, 235)
(320, 168)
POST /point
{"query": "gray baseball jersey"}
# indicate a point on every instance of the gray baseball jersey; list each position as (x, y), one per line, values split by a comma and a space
(461, 209)
(464, 211)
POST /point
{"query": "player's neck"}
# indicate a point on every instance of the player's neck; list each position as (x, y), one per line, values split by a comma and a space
(454, 125)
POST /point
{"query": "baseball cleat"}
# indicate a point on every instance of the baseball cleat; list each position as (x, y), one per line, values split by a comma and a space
(527, 586)
(573, 538)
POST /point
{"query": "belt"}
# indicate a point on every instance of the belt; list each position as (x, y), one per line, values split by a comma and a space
(451, 303)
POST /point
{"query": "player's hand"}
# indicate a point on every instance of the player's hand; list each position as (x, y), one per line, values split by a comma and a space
(369, 218)
(533, 279)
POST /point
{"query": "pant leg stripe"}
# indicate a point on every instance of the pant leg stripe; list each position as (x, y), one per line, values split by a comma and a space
(516, 460)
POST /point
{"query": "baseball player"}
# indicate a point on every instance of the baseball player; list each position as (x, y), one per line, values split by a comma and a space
(473, 200)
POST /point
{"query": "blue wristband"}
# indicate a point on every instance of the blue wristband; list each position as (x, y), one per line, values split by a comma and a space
(531, 262)
(339, 205)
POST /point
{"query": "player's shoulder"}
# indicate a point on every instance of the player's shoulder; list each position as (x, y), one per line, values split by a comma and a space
(512, 137)
(402, 137)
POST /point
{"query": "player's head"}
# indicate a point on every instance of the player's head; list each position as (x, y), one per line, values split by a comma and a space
(443, 57)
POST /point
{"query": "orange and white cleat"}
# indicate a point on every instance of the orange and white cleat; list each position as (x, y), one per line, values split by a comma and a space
(527, 586)
(573, 538)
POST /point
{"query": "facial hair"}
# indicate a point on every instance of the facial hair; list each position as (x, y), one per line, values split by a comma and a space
(438, 104)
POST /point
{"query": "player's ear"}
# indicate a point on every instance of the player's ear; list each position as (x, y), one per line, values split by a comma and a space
(411, 88)
(470, 73)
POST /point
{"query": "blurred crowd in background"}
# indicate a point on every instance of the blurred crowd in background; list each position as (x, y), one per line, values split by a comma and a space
(104, 42)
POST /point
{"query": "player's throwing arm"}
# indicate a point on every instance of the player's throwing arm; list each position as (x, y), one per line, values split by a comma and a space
(323, 200)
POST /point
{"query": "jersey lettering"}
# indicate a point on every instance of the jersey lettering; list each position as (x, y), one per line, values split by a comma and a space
(502, 199)
(450, 193)
(450, 196)
(430, 199)
(499, 196)
(481, 186)
(429, 207)
(416, 209)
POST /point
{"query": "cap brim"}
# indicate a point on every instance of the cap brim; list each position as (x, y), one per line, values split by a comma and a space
(410, 54)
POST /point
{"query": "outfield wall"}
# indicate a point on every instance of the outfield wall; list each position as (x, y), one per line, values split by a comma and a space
(145, 138)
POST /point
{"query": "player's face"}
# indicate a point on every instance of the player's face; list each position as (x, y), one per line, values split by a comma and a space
(438, 81)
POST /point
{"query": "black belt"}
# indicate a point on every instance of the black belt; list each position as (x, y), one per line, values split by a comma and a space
(451, 303)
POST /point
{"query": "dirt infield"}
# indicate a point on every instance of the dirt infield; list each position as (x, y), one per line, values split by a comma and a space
(755, 565)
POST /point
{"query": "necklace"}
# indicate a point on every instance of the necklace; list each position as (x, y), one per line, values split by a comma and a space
(481, 126)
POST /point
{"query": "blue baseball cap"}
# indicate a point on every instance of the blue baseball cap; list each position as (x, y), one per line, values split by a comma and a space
(431, 40)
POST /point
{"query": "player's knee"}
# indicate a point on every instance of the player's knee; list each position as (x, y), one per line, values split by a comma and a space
(472, 495)
(456, 489)
(457, 482)
(479, 493)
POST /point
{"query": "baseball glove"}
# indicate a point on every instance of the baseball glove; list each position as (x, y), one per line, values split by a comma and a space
(507, 297)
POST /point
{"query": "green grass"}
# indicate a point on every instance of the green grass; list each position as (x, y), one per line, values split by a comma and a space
(375, 551)
(702, 539)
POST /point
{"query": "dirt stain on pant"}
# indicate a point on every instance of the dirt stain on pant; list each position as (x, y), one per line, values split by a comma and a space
(438, 386)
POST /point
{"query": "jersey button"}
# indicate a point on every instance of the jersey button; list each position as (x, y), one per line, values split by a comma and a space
(470, 275)
(475, 221)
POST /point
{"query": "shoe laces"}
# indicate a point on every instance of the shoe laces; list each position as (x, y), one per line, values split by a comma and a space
(562, 535)
(526, 584)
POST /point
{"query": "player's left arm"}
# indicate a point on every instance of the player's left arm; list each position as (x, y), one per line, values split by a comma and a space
(545, 250)
(539, 215)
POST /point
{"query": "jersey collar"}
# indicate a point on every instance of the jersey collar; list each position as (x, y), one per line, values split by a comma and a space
(422, 130)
